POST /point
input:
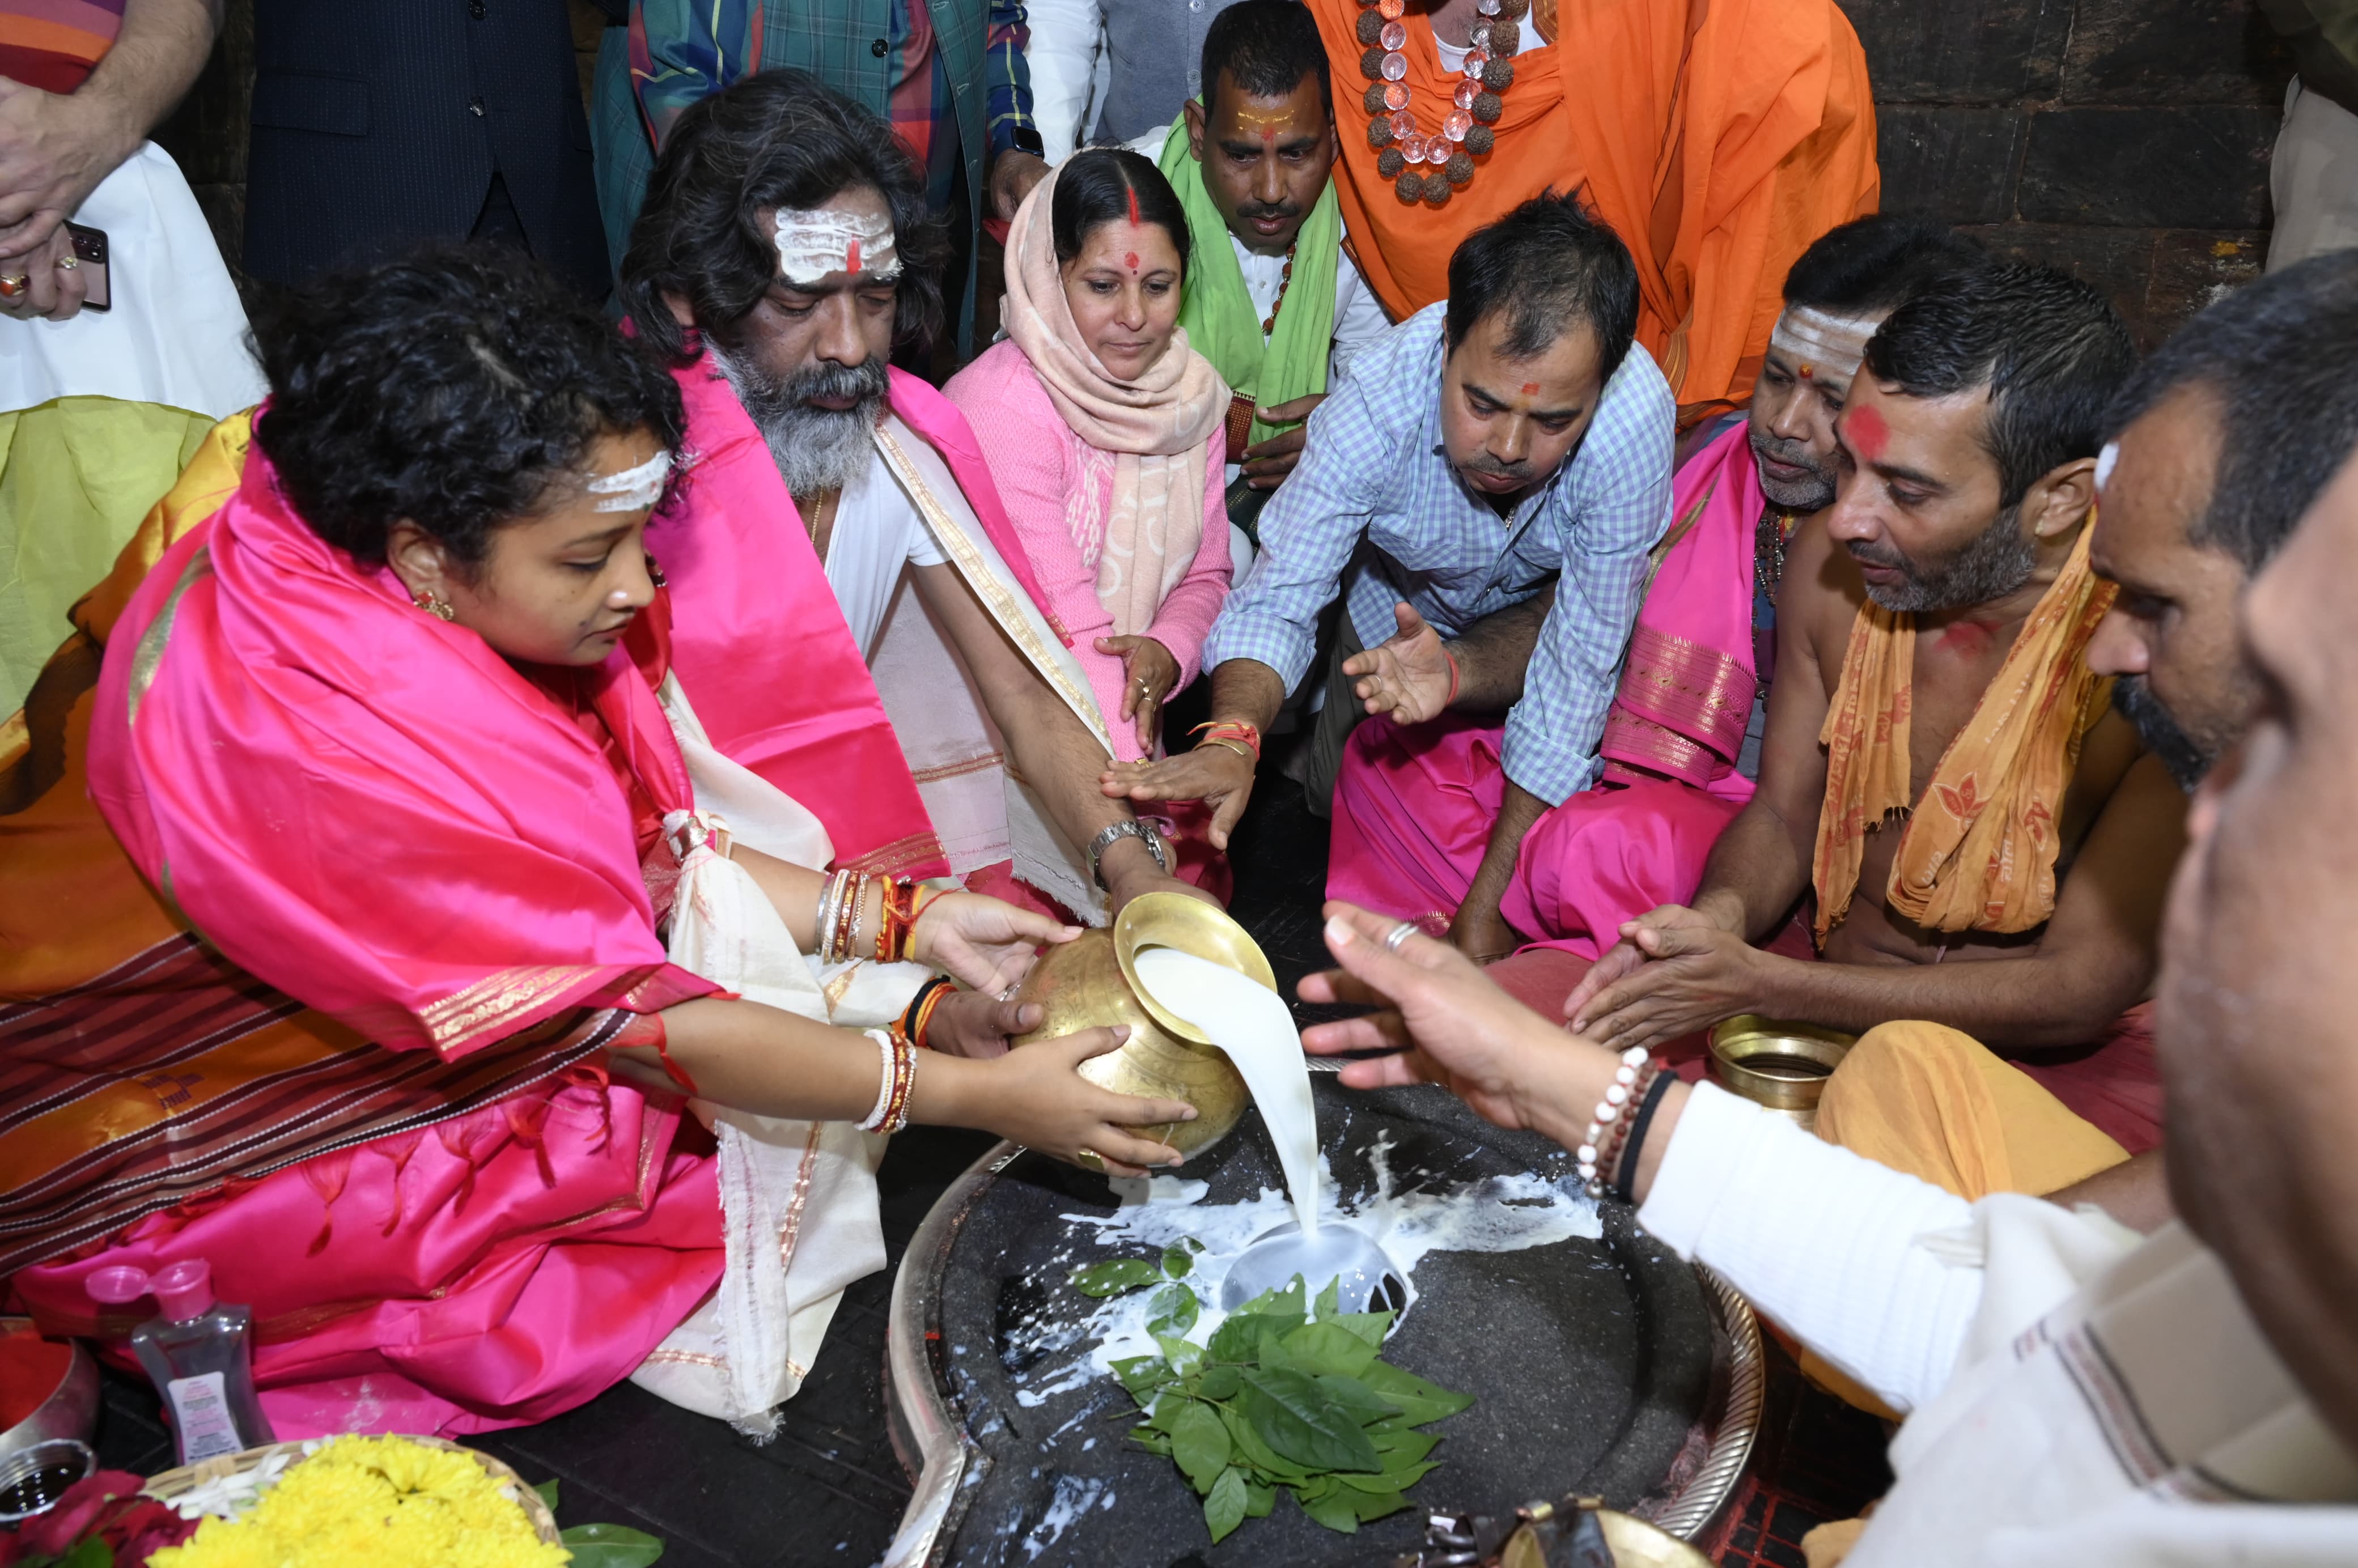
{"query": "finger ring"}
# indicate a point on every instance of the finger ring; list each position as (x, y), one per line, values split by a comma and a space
(12, 284)
(1398, 935)
(1090, 1160)
(68, 264)
(1009, 994)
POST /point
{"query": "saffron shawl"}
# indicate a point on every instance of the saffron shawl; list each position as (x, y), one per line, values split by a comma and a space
(366, 807)
(1978, 852)
(1157, 430)
(1719, 141)
(1687, 688)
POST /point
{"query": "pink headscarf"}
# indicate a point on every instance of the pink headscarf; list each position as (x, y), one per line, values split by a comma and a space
(368, 808)
(1158, 431)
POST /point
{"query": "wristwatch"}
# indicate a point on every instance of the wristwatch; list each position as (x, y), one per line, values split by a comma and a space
(1140, 828)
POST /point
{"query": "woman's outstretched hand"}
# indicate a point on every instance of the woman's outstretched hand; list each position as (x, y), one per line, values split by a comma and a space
(980, 942)
(1038, 1098)
(1445, 1022)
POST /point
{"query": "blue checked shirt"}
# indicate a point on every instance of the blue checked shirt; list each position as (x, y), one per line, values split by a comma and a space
(1373, 469)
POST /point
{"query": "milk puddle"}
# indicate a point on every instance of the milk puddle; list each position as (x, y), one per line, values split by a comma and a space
(1503, 1213)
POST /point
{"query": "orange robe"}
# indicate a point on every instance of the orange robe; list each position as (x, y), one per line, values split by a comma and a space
(1718, 137)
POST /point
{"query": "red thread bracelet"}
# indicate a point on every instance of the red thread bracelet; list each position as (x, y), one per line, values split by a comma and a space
(1452, 698)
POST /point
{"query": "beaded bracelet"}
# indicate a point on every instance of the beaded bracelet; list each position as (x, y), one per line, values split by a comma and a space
(898, 1060)
(1608, 1125)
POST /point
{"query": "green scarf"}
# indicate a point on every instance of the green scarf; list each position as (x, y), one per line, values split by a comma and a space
(1221, 322)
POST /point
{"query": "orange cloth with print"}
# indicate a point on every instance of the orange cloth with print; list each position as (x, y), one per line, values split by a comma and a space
(1718, 137)
(1979, 851)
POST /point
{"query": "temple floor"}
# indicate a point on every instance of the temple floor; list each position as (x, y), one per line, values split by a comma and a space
(829, 1488)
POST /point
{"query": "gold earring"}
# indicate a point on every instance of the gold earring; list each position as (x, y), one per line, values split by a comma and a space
(433, 604)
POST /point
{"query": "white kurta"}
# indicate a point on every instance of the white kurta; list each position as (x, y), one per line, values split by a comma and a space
(2078, 1394)
(176, 334)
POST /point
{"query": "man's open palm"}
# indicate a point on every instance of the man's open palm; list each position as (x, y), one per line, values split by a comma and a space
(1406, 676)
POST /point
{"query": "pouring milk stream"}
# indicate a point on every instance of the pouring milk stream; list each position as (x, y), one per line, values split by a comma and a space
(1252, 1024)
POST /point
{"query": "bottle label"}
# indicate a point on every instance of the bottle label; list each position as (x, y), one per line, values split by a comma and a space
(201, 1404)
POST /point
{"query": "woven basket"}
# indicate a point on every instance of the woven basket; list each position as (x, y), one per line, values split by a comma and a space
(172, 1484)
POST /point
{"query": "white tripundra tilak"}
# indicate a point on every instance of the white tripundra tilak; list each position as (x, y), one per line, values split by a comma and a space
(1822, 343)
(633, 489)
(812, 245)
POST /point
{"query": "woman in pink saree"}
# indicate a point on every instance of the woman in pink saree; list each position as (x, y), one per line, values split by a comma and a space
(1102, 429)
(391, 730)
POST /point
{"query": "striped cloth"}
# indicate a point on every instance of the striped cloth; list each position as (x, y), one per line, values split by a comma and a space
(682, 50)
(53, 44)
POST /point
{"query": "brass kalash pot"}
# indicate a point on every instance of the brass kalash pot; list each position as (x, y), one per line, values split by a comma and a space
(1092, 981)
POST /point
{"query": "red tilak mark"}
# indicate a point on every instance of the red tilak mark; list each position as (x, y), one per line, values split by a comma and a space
(1867, 433)
(1530, 387)
(1129, 260)
(1134, 218)
(1269, 136)
(851, 257)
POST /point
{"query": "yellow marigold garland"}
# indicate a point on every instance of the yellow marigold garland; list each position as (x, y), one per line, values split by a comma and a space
(362, 1501)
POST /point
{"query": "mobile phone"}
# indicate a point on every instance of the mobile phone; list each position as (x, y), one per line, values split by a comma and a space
(89, 250)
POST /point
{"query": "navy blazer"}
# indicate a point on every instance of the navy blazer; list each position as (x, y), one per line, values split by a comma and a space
(380, 123)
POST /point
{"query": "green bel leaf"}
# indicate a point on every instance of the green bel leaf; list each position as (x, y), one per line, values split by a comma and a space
(1185, 1355)
(1114, 1276)
(1296, 1418)
(1153, 1442)
(1398, 1480)
(1418, 1401)
(1199, 1442)
(1371, 1326)
(1362, 1403)
(547, 1490)
(1259, 1499)
(1252, 1450)
(1218, 1383)
(1142, 1375)
(1176, 1262)
(92, 1552)
(1336, 1510)
(610, 1546)
(1237, 1340)
(1225, 1506)
(1402, 1447)
(1321, 1348)
(1172, 1310)
(1372, 1504)
(1288, 1299)
(1329, 1302)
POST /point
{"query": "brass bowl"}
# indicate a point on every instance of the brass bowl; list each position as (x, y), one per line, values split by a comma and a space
(1783, 1066)
(1092, 981)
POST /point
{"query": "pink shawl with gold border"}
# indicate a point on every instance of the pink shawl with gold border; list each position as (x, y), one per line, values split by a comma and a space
(1686, 691)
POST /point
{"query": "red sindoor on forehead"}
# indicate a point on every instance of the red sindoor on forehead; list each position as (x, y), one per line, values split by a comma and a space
(1129, 260)
(1865, 431)
(1530, 387)
(851, 255)
(1134, 220)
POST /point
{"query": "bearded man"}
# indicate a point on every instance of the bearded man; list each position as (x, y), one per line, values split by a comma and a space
(783, 250)
(1986, 844)
(1416, 797)
(1272, 300)
(1717, 140)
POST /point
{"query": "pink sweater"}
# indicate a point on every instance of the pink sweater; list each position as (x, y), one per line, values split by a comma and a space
(1035, 461)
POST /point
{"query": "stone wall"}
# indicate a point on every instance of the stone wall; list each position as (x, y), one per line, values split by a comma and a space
(2125, 141)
